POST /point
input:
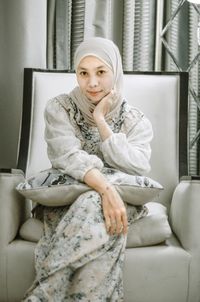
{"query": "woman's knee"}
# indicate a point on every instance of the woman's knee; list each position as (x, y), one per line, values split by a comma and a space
(89, 199)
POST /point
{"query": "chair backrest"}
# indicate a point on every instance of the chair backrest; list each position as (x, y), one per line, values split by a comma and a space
(161, 96)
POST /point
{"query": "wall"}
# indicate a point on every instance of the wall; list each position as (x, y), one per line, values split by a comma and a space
(23, 44)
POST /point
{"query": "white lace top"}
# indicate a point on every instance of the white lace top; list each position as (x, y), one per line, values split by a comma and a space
(74, 147)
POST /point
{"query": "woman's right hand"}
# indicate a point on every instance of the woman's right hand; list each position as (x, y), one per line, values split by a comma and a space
(114, 211)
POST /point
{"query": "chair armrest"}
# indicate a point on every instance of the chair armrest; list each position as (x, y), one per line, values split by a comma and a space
(12, 205)
(185, 213)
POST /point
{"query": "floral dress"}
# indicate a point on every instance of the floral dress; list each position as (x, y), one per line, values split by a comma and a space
(76, 259)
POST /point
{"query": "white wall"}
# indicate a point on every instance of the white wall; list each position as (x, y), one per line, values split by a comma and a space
(22, 44)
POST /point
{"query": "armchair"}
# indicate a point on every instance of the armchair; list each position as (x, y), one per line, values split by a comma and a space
(168, 272)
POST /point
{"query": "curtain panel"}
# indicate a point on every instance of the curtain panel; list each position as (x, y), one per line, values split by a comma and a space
(151, 35)
(130, 24)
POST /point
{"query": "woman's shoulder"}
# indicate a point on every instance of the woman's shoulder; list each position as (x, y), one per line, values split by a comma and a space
(56, 102)
(133, 113)
(134, 116)
(61, 110)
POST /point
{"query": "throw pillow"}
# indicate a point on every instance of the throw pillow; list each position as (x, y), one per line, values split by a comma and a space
(151, 229)
(31, 230)
(52, 188)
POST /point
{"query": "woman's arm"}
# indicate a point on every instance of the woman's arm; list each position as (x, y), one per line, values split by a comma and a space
(64, 148)
(129, 151)
(113, 206)
(99, 113)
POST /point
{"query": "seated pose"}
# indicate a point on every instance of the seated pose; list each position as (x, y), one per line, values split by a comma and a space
(80, 256)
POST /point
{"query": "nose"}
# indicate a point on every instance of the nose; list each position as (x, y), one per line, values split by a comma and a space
(92, 81)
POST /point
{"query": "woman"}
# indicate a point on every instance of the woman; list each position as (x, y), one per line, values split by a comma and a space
(80, 257)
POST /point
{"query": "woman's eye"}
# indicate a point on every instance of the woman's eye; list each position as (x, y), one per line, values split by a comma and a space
(101, 72)
(83, 73)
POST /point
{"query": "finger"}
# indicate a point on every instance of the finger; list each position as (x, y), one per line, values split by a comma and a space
(119, 226)
(108, 224)
(113, 226)
(124, 223)
(114, 94)
(106, 216)
(111, 93)
(110, 96)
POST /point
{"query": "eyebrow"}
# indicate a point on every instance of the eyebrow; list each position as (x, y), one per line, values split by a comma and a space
(99, 67)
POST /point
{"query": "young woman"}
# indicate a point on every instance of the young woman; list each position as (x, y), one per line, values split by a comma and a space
(80, 257)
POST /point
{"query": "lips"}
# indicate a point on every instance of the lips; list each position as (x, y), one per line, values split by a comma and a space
(93, 93)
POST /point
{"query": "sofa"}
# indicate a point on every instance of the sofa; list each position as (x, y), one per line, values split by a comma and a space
(164, 272)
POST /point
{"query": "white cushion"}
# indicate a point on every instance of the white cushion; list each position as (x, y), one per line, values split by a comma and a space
(151, 229)
(31, 230)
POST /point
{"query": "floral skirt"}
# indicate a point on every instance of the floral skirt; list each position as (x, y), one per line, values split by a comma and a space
(76, 259)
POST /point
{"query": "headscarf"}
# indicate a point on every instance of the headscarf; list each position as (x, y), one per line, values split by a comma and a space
(107, 52)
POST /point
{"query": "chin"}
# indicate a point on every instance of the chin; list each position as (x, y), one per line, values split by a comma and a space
(94, 101)
(97, 99)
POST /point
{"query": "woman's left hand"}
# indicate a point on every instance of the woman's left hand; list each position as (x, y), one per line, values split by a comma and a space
(104, 106)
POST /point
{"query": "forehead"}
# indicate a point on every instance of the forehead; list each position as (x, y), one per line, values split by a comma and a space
(92, 62)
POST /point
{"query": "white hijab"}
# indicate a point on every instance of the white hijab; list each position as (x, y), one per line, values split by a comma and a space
(108, 52)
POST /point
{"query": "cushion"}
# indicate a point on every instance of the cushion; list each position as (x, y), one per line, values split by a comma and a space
(151, 229)
(31, 230)
(53, 188)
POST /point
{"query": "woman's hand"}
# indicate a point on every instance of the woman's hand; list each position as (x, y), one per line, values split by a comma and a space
(114, 211)
(113, 206)
(103, 107)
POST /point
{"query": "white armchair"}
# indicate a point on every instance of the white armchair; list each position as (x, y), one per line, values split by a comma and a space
(168, 272)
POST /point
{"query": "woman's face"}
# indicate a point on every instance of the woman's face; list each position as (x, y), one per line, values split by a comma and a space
(95, 78)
